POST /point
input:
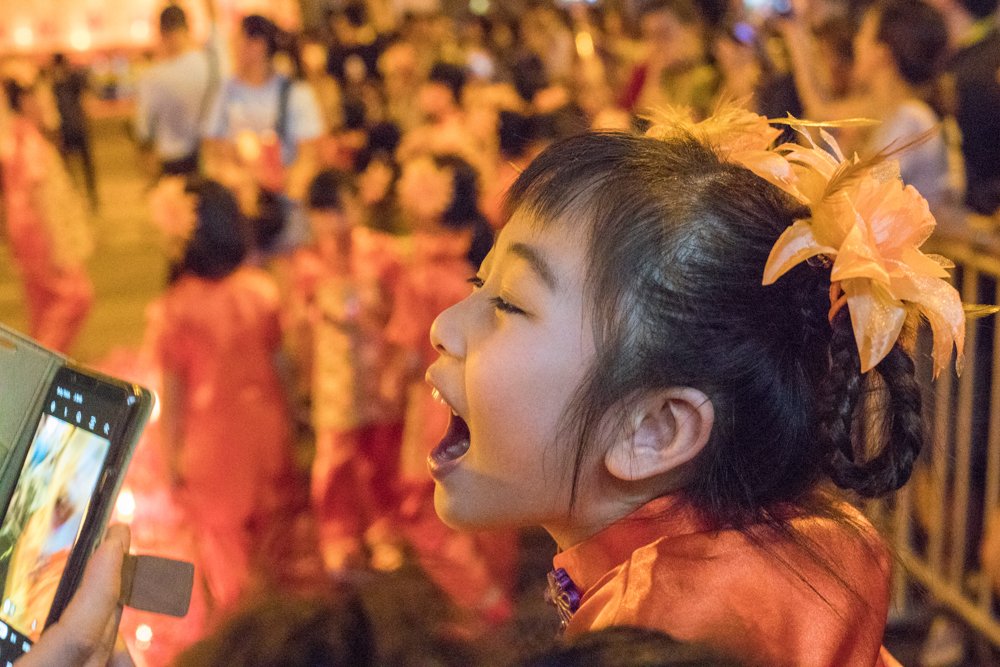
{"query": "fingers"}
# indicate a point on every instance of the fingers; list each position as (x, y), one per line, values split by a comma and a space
(101, 655)
(86, 630)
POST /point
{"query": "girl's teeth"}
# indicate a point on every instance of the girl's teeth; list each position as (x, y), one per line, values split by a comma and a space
(436, 395)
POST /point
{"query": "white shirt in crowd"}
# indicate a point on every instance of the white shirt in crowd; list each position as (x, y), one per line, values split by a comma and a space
(172, 100)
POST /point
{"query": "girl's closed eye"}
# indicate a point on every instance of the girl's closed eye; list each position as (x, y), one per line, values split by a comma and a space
(498, 302)
(505, 306)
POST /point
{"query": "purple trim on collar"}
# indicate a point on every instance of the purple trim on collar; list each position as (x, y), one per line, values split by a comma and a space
(563, 594)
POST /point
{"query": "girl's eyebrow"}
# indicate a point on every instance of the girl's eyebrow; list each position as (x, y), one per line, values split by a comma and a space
(537, 262)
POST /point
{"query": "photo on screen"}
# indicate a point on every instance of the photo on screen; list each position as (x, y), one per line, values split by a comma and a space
(44, 517)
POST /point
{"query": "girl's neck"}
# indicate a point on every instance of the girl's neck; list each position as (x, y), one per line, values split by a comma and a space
(583, 523)
(609, 500)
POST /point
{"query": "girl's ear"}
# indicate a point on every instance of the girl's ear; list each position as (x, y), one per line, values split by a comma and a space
(668, 428)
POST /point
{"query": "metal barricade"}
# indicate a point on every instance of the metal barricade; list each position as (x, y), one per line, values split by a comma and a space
(937, 521)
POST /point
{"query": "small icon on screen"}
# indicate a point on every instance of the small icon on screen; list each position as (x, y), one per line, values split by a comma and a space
(92, 423)
(107, 428)
(52, 406)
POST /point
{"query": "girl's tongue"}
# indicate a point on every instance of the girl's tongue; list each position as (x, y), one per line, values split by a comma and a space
(455, 442)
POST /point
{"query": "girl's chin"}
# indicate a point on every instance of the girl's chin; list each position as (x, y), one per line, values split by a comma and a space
(461, 512)
(454, 514)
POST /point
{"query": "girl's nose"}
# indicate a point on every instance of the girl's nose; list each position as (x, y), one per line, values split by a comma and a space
(447, 335)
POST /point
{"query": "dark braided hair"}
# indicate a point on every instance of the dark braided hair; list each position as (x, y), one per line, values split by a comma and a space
(850, 466)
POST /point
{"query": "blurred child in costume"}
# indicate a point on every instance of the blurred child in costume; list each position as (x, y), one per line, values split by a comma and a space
(341, 299)
(225, 424)
(49, 235)
(436, 276)
(441, 259)
(661, 363)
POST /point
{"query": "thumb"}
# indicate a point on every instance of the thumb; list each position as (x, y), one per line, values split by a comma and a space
(82, 630)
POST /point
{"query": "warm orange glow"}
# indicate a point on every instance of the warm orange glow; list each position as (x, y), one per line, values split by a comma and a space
(143, 637)
(24, 36)
(80, 38)
(141, 31)
(98, 25)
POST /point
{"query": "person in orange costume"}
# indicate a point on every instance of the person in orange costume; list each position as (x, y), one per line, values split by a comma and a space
(226, 425)
(46, 225)
(437, 276)
(340, 304)
(650, 370)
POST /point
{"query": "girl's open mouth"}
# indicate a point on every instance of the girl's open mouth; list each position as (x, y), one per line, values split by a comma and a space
(452, 447)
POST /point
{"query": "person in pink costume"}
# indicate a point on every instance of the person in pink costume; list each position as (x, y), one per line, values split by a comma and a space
(46, 225)
(339, 306)
(225, 422)
(435, 278)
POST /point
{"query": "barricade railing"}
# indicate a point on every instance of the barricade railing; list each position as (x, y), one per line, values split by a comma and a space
(937, 522)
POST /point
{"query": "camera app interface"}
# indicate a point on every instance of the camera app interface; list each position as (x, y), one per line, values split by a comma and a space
(48, 508)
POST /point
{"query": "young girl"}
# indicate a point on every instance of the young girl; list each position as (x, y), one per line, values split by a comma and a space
(225, 422)
(658, 364)
(653, 366)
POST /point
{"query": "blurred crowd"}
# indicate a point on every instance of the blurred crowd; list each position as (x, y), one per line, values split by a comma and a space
(323, 194)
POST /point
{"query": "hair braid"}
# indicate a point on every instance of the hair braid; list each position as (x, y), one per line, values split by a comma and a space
(837, 399)
(906, 427)
(897, 420)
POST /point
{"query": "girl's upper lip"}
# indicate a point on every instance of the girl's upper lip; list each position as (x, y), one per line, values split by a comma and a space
(436, 390)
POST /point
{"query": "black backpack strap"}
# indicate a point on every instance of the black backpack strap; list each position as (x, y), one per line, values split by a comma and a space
(281, 124)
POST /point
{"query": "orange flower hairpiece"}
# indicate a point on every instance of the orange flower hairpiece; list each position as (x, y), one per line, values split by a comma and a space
(862, 218)
(174, 213)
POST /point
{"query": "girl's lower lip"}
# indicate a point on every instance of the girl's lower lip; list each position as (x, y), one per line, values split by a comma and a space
(440, 469)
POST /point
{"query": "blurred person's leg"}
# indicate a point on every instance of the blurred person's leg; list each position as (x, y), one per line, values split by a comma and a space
(70, 296)
(80, 146)
(224, 557)
(338, 498)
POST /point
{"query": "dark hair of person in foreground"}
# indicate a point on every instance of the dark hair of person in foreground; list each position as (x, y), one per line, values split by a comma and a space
(622, 646)
(370, 619)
